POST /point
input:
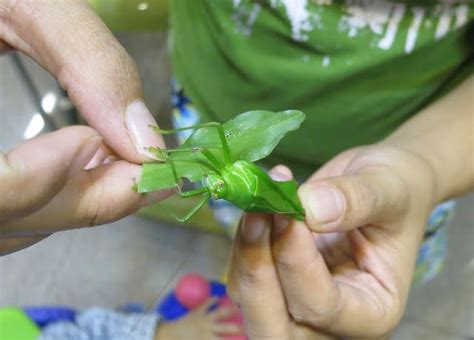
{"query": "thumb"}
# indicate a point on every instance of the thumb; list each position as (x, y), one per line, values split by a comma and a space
(71, 42)
(371, 196)
(32, 173)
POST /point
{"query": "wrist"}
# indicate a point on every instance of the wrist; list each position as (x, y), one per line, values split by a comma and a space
(442, 135)
(418, 174)
(429, 169)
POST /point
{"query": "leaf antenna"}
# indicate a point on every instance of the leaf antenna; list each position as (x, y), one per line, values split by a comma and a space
(220, 130)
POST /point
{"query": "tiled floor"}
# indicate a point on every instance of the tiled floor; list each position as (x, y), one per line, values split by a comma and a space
(138, 260)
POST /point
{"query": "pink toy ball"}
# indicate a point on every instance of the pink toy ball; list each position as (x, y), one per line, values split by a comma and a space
(192, 290)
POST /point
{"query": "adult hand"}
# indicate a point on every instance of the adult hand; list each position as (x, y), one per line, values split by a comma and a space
(347, 269)
(43, 184)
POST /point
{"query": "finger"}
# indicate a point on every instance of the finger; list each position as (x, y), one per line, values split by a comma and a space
(9, 245)
(204, 308)
(335, 166)
(311, 295)
(369, 286)
(278, 173)
(223, 312)
(347, 202)
(227, 328)
(32, 173)
(92, 197)
(4, 47)
(281, 173)
(103, 155)
(259, 292)
(72, 43)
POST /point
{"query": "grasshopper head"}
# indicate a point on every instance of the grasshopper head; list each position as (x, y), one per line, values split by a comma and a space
(216, 185)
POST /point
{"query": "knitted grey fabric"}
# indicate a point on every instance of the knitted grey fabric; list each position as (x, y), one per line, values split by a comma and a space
(103, 324)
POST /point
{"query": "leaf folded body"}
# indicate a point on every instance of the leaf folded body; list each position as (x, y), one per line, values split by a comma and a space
(252, 189)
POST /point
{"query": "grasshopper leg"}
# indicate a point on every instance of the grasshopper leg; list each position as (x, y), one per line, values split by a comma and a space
(193, 211)
(218, 126)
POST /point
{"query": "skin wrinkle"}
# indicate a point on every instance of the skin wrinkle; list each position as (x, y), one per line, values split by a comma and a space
(28, 204)
(368, 259)
(21, 171)
(91, 208)
(8, 37)
(359, 283)
(94, 204)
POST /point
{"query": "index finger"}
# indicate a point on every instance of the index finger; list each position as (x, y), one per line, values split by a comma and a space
(71, 42)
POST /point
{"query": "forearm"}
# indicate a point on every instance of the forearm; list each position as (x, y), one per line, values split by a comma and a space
(442, 134)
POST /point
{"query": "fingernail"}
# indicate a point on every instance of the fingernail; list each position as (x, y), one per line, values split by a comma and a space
(280, 224)
(253, 227)
(85, 155)
(280, 173)
(325, 203)
(138, 119)
(110, 159)
(97, 159)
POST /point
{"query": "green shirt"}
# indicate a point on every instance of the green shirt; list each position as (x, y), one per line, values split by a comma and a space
(357, 68)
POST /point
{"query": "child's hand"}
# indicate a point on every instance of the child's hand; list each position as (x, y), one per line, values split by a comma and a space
(347, 269)
(200, 324)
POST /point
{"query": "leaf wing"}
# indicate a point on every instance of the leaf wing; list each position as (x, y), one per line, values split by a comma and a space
(251, 135)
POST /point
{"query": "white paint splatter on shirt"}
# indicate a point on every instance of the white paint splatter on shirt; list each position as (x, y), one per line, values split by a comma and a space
(462, 14)
(245, 16)
(326, 61)
(299, 17)
(444, 21)
(373, 15)
(412, 35)
(397, 15)
(381, 17)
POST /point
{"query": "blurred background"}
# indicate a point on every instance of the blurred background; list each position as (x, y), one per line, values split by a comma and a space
(138, 259)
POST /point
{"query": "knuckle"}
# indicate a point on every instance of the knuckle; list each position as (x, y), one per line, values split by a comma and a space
(91, 210)
(16, 12)
(90, 216)
(296, 312)
(296, 262)
(288, 262)
(13, 182)
(6, 9)
(362, 201)
(316, 316)
(320, 312)
(251, 278)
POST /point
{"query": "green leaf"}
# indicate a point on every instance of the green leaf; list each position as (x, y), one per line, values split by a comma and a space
(158, 176)
(251, 136)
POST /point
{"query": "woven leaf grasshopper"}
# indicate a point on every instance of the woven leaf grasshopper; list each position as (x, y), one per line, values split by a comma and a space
(223, 162)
